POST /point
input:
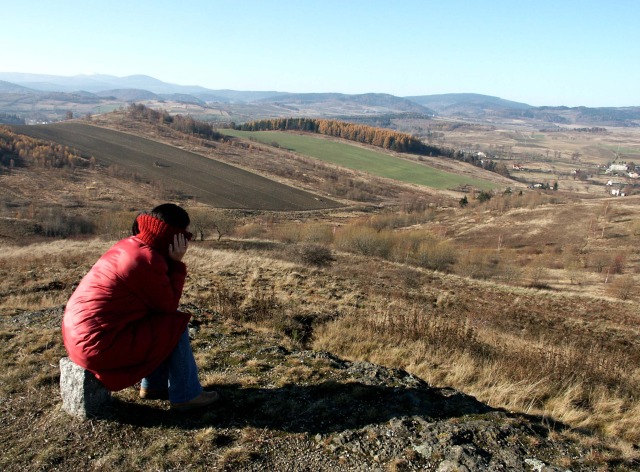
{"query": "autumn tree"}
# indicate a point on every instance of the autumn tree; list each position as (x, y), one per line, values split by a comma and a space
(223, 223)
(204, 222)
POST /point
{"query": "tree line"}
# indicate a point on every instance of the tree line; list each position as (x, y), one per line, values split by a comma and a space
(181, 123)
(7, 119)
(383, 138)
(17, 150)
(380, 137)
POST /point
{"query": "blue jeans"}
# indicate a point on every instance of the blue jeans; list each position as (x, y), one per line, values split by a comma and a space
(178, 372)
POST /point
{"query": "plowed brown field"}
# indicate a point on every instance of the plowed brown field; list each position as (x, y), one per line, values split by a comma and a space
(209, 181)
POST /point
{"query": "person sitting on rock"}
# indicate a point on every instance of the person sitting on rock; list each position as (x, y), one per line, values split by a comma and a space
(122, 322)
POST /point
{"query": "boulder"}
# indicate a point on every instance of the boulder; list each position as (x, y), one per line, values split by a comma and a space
(82, 394)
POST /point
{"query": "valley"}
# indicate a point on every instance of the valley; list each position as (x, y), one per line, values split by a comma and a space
(525, 298)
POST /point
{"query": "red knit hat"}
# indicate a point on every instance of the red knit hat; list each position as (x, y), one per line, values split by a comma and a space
(158, 234)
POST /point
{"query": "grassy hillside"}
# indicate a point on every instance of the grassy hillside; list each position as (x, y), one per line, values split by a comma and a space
(358, 158)
(569, 363)
(527, 301)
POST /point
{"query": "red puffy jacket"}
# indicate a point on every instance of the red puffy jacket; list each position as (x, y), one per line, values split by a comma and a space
(122, 321)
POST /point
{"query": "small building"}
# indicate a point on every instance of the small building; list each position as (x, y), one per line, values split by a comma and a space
(617, 168)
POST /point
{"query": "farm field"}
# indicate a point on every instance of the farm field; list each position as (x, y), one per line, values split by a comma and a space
(357, 158)
(197, 177)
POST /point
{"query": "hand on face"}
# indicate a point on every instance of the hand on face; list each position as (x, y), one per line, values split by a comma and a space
(178, 248)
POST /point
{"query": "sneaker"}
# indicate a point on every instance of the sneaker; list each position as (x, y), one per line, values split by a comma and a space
(153, 394)
(204, 399)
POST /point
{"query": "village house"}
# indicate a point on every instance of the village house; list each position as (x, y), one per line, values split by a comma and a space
(617, 169)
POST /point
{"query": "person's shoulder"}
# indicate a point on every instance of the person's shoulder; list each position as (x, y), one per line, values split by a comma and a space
(136, 254)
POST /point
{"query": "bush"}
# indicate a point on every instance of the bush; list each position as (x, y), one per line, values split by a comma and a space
(478, 264)
(57, 224)
(288, 232)
(622, 287)
(484, 196)
(435, 256)
(115, 224)
(315, 255)
(365, 240)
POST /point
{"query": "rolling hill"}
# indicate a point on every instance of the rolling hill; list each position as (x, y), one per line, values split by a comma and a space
(526, 320)
(48, 98)
(449, 103)
(207, 180)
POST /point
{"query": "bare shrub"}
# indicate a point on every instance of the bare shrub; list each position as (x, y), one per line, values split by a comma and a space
(622, 287)
(115, 224)
(380, 222)
(314, 255)
(297, 231)
(55, 223)
(500, 203)
(251, 230)
(439, 256)
(508, 269)
(575, 275)
(532, 200)
(618, 264)
(599, 261)
(477, 264)
(318, 233)
(364, 240)
(536, 273)
(403, 219)
(407, 244)
(288, 232)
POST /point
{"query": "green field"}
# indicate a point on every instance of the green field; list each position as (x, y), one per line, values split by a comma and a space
(629, 151)
(358, 158)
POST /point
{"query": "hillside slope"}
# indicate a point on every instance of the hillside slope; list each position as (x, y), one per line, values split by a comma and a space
(207, 180)
(281, 409)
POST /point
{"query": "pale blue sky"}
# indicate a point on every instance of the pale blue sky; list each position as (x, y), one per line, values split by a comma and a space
(543, 52)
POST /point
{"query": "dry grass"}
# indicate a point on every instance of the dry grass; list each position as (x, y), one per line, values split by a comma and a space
(572, 358)
(518, 350)
(42, 275)
(569, 353)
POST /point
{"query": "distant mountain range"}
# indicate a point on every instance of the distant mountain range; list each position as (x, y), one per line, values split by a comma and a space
(48, 97)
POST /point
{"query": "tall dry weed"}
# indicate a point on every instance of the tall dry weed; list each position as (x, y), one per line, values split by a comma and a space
(572, 379)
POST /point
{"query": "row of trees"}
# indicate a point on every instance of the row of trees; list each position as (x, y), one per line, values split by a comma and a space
(8, 119)
(181, 123)
(17, 150)
(380, 137)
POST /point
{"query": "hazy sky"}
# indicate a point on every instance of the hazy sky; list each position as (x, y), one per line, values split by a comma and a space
(542, 52)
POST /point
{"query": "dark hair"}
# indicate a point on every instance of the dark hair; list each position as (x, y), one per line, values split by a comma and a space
(170, 213)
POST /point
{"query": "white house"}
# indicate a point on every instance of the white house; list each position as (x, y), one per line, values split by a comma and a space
(623, 168)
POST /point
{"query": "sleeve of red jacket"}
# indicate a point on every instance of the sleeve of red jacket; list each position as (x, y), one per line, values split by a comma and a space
(148, 276)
